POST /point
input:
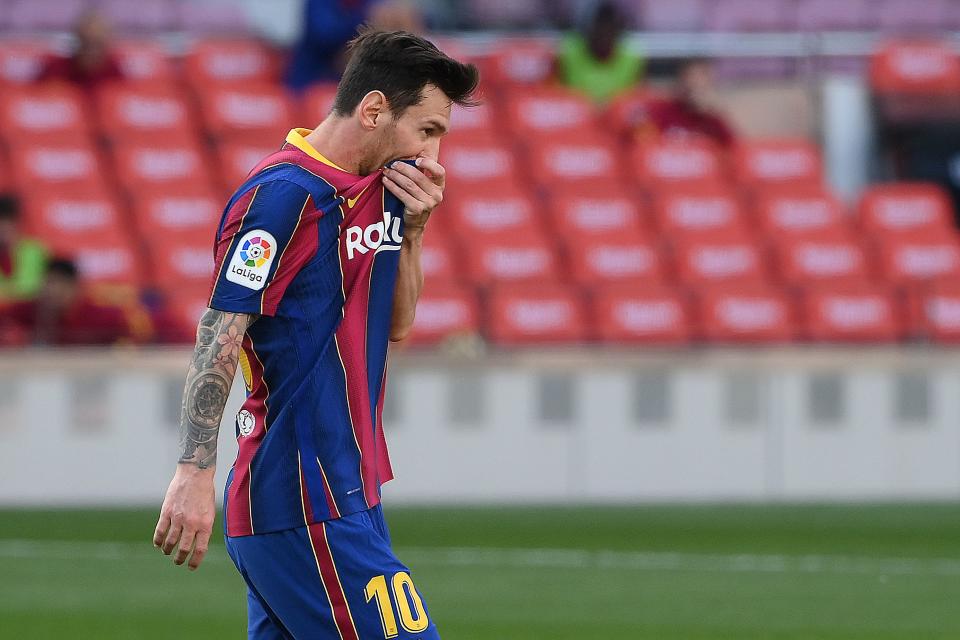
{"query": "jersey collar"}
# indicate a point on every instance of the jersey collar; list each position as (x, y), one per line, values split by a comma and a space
(297, 137)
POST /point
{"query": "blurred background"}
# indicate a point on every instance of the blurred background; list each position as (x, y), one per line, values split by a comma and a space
(684, 366)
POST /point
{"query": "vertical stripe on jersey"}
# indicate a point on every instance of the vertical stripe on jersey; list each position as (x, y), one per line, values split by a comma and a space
(298, 251)
(330, 579)
(304, 494)
(240, 513)
(232, 222)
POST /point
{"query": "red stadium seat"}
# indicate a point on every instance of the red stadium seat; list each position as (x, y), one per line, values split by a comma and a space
(101, 259)
(522, 62)
(443, 311)
(478, 120)
(176, 261)
(150, 166)
(74, 167)
(609, 260)
(586, 211)
(491, 166)
(924, 68)
(214, 62)
(778, 162)
(145, 63)
(571, 163)
(812, 214)
(239, 111)
(22, 61)
(505, 259)
(716, 261)
(550, 113)
(512, 213)
(911, 260)
(237, 158)
(915, 209)
(864, 313)
(318, 102)
(439, 260)
(178, 213)
(746, 314)
(535, 314)
(712, 212)
(51, 113)
(630, 313)
(145, 115)
(935, 311)
(804, 260)
(672, 162)
(51, 214)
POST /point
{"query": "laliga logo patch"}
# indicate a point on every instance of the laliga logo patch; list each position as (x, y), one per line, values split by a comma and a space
(245, 422)
(250, 264)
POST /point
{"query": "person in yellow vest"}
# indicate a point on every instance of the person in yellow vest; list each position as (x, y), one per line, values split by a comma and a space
(22, 260)
(598, 61)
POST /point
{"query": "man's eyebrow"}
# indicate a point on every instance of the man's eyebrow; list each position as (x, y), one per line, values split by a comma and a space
(434, 122)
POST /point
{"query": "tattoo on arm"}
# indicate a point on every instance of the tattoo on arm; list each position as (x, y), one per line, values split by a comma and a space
(214, 364)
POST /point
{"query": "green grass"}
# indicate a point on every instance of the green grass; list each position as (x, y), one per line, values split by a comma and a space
(656, 572)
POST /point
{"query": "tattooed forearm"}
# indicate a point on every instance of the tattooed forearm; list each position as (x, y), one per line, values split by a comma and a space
(214, 364)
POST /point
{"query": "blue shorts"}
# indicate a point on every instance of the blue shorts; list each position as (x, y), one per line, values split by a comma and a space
(334, 580)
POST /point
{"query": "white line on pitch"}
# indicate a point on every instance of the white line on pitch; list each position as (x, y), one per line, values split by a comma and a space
(541, 558)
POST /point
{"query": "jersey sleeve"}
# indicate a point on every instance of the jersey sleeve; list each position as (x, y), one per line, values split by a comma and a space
(262, 243)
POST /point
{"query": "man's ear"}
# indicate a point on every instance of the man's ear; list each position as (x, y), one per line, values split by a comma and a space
(372, 108)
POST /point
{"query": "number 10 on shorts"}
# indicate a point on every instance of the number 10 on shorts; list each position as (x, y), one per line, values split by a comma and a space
(412, 619)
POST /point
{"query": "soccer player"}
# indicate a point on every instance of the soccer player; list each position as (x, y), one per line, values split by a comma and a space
(317, 268)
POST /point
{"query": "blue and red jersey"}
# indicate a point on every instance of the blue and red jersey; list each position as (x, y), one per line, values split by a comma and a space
(313, 251)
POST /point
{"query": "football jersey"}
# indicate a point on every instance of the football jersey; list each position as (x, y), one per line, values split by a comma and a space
(313, 251)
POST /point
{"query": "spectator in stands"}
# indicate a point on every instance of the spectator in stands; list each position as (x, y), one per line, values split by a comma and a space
(598, 61)
(91, 64)
(320, 53)
(22, 260)
(62, 314)
(689, 113)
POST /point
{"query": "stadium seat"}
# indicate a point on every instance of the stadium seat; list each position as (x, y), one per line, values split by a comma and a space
(864, 313)
(643, 314)
(477, 121)
(145, 63)
(145, 115)
(75, 167)
(805, 213)
(53, 113)
(576, 162)
(151, 166)
(535, 314)
(907, 260)
(178, 213)
(445, 310)
(722, 261)
(25, 16)
(101, 260)
(184, 307)
(750, 15)
(835, 261)
(139, 16)
(217, 62)
(51, 214)
(212, 17)
(907, 209)
(676, 15)
(510, 212)
(627, 112)
(778, 162)
(549, 112)
(585, 211)
(236, 158)
(440, 260)
(708, 212)
(637, 261)
(491, 166)
(524, 62)
(176, 261)
(21, 61)
(754, 314)
(505, 259)
(934, 311)
(831, 15)
(249, 110)
(669, 163)
(915, 68)
(317, 102)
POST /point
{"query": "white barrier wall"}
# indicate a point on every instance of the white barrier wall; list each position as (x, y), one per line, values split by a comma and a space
(100, 428)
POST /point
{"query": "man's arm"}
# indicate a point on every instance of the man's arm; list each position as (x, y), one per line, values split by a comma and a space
(420, 190)
(186, 518)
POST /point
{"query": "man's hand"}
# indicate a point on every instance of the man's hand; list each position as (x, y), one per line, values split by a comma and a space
(186, 517)
(419, 188)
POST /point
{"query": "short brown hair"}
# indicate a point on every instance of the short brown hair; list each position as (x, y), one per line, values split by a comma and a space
(400, 65)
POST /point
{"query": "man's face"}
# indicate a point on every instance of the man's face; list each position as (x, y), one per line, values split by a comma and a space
(416, 133)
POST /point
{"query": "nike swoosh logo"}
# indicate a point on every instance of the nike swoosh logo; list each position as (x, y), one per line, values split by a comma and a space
(353, 201)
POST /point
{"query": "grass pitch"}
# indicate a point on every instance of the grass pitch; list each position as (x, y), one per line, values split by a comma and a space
(809, 572)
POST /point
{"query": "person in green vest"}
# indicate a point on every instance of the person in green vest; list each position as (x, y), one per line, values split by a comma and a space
(22, 260)
(598, 61)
